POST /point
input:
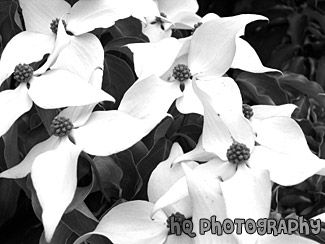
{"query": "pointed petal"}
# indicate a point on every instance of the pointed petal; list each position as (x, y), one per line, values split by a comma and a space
(213, 44)
(134, 219)
(207, 201)
(247, 59)
(172, 7)
(148, 96)
(83, 54)
(38, 14)
(266, 111)
(87, 15)
(197, 154)
(146, 56)
(54, 176)
(108, 132)
(284, 135)
(13, 104)
(25, 47)
(155, 32)
(62, 40)
(247, 195)
(24, 168)
(61, 88)
(189, 102)
(164, 176)
(284, 169)
(284, 239)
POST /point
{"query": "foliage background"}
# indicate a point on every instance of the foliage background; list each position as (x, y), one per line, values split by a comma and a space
(293, 41)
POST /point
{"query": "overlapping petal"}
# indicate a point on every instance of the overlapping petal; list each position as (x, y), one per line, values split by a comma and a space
(148, 96)
(13, 103)
(130, 222)
(54, 176)
(172, 8)
(25, 47)
(213, 45)
(164, 176)
(247, 195)
(60, 88)
(108, 132)
(24, 167)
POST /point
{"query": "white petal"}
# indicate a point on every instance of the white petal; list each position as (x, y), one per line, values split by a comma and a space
(213, 44)
(142, 8)
(24, 167)
(247, 59)
(247, 195)
(172, 7)
(155, 32)
(148, 96)
(283, 134)
(38, 14)
(147, 56)
(112, 131)
(284, 169)
(189, 102)
(26, 47)
(87, 15)
(164, 176)
(130, 222)
(266, 111)
(61, 88)
(54, 176)
(185, 20)
(207, 201)
(13, 104)
(83, 54)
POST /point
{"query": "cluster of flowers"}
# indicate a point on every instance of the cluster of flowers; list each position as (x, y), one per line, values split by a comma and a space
(242, 150)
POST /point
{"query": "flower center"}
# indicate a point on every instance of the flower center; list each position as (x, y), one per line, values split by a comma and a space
(238, 153)
(55, 23)
(23, 72)
(247, 111)
(61, 126)
(197, 25)
(181, 72)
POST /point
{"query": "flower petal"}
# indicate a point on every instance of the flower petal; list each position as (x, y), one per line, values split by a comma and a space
(24, 167)
(207, 201)
(164, 176)
(189, 102)
(267, 111)
(38, 14)
(247, 59)
(185, 20)
(155, 32)
(143, 8)
(247, 195)
(25, 47)
(284, 169)
(172, 7)
(146, 56)
(61, 88)
(83, 54)
(130, 222)
(284, 239)
(13, 104)
(182, 239)
(54, 176)
(213, 44)
(284, 135)
(108, 132)
(87, 15)
(148, 96)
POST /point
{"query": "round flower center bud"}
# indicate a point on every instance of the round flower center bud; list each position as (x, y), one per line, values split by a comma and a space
(23, 72)
(247, 111)
(197, 25)
(238, 153)
(54, 25)
(61, 126)
(181, 72)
